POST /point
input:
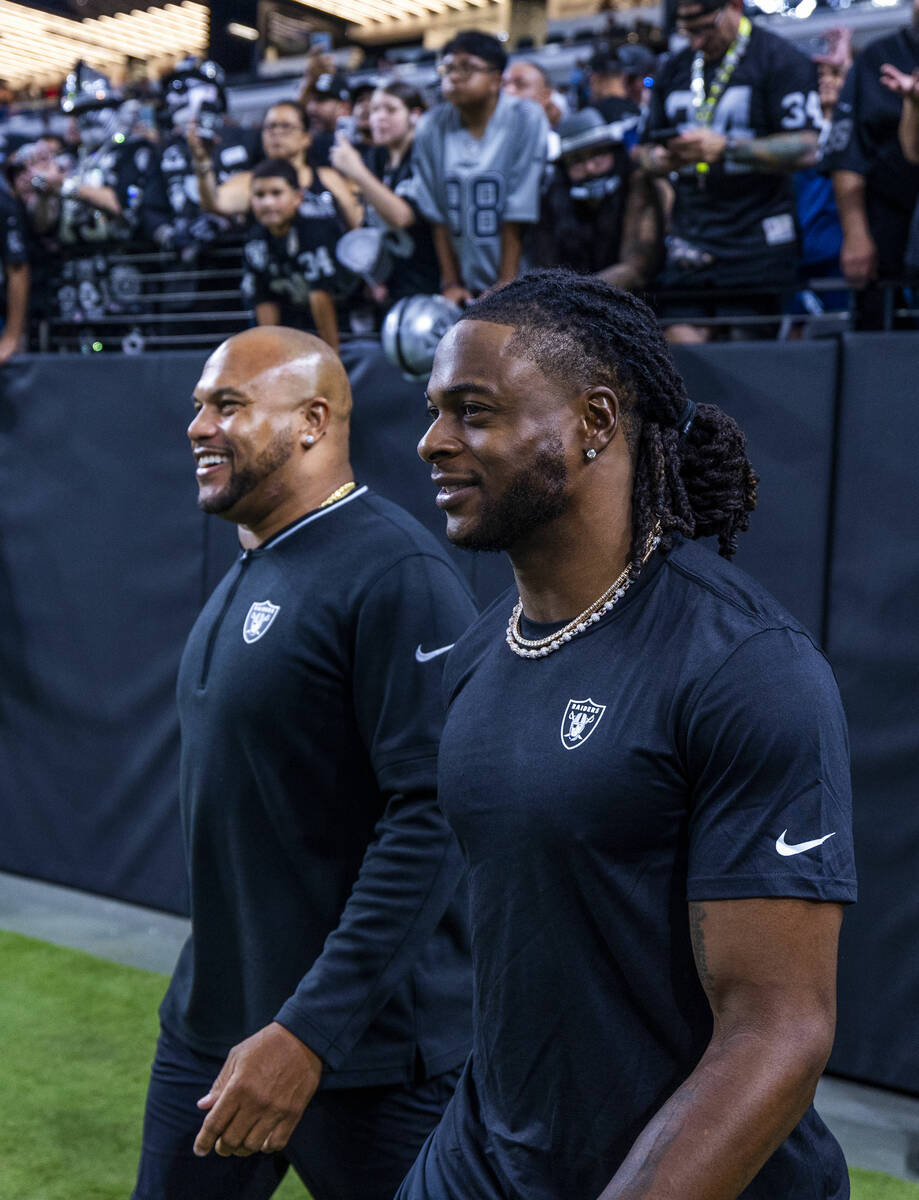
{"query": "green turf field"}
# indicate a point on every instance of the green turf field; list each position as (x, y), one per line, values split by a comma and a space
(75, 1048)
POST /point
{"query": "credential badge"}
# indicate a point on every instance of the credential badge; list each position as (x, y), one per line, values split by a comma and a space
(258, 620)
(580, 720)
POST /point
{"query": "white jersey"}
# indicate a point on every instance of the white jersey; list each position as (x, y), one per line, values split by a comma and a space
(474, 185)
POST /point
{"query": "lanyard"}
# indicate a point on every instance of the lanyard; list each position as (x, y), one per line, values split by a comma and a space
(704, 104)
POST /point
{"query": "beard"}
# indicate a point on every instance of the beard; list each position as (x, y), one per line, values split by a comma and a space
(242, 482)
(535, 496)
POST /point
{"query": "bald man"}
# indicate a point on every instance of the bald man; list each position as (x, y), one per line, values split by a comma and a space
(319, 1011)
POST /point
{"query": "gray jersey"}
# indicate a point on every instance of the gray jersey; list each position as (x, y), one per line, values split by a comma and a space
(474, 185)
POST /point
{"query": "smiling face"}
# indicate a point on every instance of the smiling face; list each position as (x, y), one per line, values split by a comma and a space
(502, 440)
(244, 435)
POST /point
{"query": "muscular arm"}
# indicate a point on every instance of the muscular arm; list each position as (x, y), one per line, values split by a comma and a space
(776, 153)
(768, 968)
(858, 256)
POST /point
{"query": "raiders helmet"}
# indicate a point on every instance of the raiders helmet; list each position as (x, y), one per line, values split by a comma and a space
(194, 91)
(411, 330)
(85, 90)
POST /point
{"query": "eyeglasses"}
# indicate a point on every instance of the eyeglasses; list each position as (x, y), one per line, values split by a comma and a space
(696, 28)
(463, 68)
(280, 127)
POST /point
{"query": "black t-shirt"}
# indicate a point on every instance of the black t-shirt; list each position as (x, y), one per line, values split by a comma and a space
(286, 269)
(131, 170)
(322, 873)
(581, 234)
(415, 266)
(656, 759)
(736, 213)
(863, 137)
(614, 108)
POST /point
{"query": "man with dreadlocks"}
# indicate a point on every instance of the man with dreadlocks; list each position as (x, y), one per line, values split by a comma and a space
(645, 763)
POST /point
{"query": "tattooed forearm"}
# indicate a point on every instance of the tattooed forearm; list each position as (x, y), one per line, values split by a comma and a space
(778, 152)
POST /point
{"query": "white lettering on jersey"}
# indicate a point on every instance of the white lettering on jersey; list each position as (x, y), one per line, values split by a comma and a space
(579, 720)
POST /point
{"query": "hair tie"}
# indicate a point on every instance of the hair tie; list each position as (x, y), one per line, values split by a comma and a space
(686, 418)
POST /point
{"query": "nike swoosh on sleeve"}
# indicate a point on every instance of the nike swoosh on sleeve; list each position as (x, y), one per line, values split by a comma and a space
(424, 655)
(785, 848)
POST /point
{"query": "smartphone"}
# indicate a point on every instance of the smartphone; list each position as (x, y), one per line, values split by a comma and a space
(660, 137)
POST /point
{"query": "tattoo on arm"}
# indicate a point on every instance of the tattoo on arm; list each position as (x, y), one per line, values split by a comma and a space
(697, 934)
(777, 152)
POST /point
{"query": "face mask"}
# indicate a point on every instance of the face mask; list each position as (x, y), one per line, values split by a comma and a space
(594, 189)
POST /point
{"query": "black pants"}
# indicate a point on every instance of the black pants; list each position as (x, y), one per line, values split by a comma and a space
(351, 1144)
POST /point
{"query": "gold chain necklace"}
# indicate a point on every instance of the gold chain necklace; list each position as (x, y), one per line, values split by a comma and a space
(540, 647)
(339, 493)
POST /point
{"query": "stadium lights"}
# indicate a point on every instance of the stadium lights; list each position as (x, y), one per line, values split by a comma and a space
(40, 47)
(379, 12)
(242, 31)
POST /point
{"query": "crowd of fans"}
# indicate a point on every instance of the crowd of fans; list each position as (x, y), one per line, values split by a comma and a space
(720, 180)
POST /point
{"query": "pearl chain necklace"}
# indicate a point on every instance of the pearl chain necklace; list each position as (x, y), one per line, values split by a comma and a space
(540, 647)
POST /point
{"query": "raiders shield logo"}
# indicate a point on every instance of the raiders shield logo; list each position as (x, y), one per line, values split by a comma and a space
(580, 720)
(258, 620)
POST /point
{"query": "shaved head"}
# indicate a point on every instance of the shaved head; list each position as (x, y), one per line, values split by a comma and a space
(270, 434)
(301, 366)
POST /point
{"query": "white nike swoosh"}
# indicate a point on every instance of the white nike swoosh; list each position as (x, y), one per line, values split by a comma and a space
(424, 655)
(785, 849)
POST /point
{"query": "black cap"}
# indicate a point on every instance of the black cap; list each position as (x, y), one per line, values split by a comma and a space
(586, 128)
(331, 86)
(637, 59)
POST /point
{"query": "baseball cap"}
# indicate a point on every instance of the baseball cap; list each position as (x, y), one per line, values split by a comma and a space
(331, 86)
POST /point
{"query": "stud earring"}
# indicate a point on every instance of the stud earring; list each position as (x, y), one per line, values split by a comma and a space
(590, 454)
(310, 439)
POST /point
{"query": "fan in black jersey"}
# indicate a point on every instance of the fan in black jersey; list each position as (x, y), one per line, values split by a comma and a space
(113, 192)
(193, 93)
(14, 282)
(599, 214)
(876, 186)
(405, 238)
(733, 116)
(284, 135)
(290, 273)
